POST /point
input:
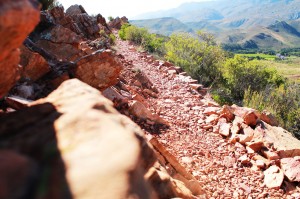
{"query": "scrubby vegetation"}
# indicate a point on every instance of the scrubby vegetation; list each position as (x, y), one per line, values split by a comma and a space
(141, 36)
(283, 102)
(199, 56)
(232, 79)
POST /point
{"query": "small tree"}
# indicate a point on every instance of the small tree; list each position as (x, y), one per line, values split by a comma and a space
(110, 18)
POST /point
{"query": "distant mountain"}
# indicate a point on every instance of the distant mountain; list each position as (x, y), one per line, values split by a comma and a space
(165, 26)
(265, 23)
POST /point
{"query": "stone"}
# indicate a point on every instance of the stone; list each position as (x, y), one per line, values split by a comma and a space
(138, 110)
(244, 160)
(227, 113)
(247, 135)
(212, 119)
(225, 129)
(17, 175)
(17, 103)
(255, 145)
(14, 30)
(270, 155)
(112, 94)
(284, 142)
(81, 143)
(291, 168)
(211, 110)
(250, 118)
(273, 177)
(260, 164)
(34, 66)
(269, 118)
(117, 22)
(100, 70)
(75, 10)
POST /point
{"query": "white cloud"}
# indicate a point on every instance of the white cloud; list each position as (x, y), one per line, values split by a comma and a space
(128, 8)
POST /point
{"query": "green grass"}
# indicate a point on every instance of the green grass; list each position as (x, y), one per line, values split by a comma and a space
(259, 56)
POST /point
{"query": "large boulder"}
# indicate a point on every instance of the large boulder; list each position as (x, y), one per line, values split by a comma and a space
(17, 18)
(100, 70)
(82, 146)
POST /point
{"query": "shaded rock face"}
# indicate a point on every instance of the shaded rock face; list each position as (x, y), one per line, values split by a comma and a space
(14, 30)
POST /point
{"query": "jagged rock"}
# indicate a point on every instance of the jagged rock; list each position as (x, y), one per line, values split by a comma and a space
(273, 177)
(138, 110)
(291, 168)
(81, 143)
(250, 118)
(269, 118)
(75, 10)
(113, 95)
(211, 110)
(34, 65)
(229, 162)
(244, 160)
(225, 129)
(247, 135)
(17, 174)
(284, 143)
(227, 113)
(255, 145)
(61, 43)
(14, 30)
(17, 103)
(117, 22)
(100, 70)
(271, 155)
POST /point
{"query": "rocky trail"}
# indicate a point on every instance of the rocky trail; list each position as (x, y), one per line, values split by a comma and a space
(221, 167)
(82, 119)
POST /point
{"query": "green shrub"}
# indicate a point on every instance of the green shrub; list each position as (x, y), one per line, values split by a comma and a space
(241, 74)
(283, 102)
(199, 57)
(141, 36)
(112, 38)
(110, 18)
(122, 33)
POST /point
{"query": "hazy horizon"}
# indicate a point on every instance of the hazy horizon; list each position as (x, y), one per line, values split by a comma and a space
(130, 8)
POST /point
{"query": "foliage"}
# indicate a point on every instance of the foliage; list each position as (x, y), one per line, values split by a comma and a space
(110, 18)
(283, 102)
(241, 74)
(141, 36)
(49, 4)
(198, 56)
(112, 38)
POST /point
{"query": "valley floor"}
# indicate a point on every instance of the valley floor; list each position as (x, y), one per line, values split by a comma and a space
(209, 157)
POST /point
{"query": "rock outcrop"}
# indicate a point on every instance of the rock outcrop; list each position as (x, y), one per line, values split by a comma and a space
(117, 22)
(13, 32)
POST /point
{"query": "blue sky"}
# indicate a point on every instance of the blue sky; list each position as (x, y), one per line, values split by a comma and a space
(129, 8)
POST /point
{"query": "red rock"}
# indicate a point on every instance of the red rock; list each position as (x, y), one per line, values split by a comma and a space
(225, 129)
(244, 160)
(14, 30)
(196, 87)
(273, 177)
(291, 168)
(16, 102)
(255, 145)
(100, 70)
(212, 119)
(118, 22)
(112, 94)
(269, 118)
(150, 93)
(34, 65)
(260, 164)
(250, 118)
(211, 110)
(138, 110)
(227, 113)
(270, 154)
